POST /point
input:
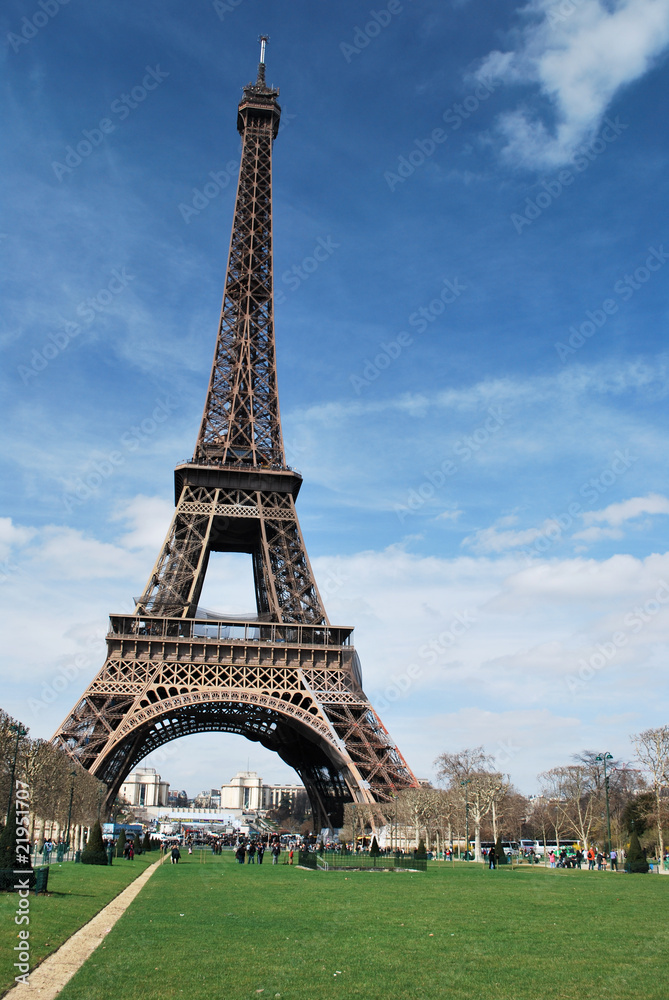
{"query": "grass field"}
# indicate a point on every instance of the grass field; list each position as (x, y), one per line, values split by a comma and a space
(220, 930)
(76, 893)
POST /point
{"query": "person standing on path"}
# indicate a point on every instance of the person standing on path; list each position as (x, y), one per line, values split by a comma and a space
(614, 861)
(175, 855)
(591, 859)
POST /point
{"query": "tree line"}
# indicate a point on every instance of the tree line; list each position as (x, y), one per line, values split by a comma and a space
(578, 801)
(60, 790)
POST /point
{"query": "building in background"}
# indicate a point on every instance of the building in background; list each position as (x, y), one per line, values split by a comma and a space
(275, 796)
(143, 787)
(208, 799)
(247, 792)
(243, 799)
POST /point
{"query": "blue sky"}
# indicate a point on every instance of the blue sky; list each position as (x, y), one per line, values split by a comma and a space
(473, 381)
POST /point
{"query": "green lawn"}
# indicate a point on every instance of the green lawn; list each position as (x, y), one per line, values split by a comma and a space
(215, 930)
(76, 893)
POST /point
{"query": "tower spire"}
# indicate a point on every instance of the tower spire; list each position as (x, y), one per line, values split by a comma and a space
(263, 39)
(241, 424)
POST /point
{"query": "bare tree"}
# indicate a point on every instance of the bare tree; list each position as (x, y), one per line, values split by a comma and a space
(13, 745)
(555, 807)
(652, 751)
(470, 772)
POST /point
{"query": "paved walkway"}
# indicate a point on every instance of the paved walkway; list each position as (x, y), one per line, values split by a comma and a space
(49, 978)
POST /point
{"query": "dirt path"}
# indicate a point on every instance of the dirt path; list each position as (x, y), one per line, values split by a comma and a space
(48, 979)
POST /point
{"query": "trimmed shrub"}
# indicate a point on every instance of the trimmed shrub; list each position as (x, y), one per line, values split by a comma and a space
(120, 844)
(94, 853)
(374, 849)
(635, 862)
(500, 856)
(146, 844)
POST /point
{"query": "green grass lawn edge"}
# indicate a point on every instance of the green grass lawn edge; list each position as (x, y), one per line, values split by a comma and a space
(217, 929)
(76, 893)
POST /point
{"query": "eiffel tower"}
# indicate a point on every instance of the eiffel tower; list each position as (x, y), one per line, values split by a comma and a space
(284, 677)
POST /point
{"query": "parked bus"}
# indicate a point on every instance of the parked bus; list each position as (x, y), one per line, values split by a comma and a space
(508, 846)
(571, 846)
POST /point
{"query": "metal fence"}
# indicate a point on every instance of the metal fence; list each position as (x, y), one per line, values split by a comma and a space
(339, 861)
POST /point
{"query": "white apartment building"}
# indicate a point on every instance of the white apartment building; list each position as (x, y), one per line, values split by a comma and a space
(144, 787)
(246, 791)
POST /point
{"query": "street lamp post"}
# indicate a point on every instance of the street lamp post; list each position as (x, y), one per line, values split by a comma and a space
(464, 785)
(73, 773)
(602, 758)
(20, 731)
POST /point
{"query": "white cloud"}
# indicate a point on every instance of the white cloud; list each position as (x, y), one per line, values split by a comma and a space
(448, 515)
(12, 537)
(493, 540)
(617, 513)
(580, 54)
(148, 518)
(597, 534)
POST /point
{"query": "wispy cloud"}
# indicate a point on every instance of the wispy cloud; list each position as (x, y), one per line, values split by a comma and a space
(617, 513)
(580, 55)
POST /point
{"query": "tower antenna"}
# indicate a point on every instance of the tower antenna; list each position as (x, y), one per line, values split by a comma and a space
(263, 39)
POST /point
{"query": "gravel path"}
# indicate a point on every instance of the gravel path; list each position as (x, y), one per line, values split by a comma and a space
(48, 979)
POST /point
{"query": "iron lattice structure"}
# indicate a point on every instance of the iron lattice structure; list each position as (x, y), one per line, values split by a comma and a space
(283, 677)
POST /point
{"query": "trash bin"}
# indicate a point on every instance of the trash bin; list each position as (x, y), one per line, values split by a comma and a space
(41, 879)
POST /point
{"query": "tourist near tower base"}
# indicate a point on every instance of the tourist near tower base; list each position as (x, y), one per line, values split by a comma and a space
(284, 676)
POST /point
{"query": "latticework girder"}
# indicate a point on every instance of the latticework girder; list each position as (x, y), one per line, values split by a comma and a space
(285, 678)
(241, 423)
